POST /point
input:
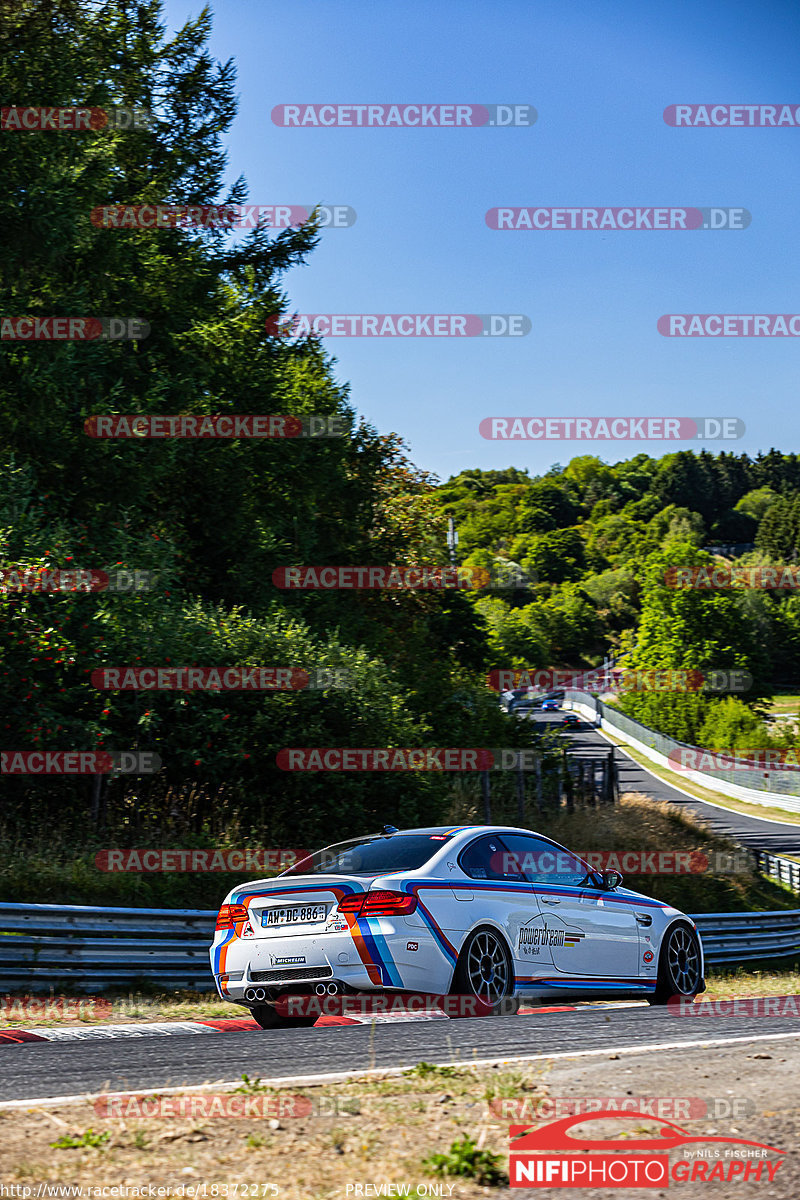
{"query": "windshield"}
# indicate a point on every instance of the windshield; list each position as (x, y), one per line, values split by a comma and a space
(374, 855)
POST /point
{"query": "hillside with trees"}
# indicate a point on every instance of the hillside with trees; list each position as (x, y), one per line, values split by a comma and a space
(596, 541)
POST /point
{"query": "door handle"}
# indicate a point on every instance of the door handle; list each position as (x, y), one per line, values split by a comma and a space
(545, 900)
(644, 918)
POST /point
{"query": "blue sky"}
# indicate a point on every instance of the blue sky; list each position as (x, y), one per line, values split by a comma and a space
(599, 76)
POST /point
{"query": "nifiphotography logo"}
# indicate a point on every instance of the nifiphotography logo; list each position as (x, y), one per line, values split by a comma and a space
(552, 1156)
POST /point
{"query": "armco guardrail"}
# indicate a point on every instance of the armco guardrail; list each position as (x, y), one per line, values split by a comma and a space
(57, 946)
(737, 937)
(785, 870)
(45, 946)
(776, 789)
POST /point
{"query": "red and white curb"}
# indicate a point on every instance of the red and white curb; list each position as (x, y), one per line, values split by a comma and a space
(88, 1033)
(83, 1033)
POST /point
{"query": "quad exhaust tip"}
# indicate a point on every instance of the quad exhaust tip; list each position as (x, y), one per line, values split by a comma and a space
(254, 995)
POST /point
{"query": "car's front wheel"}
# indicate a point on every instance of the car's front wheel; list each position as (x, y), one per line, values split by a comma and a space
(679, 970)
(485, 972)
(268, 1017)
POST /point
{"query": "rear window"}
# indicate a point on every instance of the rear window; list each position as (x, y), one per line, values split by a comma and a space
(374, 855)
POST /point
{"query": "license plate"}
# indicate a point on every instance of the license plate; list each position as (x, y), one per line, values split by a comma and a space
(304, 914)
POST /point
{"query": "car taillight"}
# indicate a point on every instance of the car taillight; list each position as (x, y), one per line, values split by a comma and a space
(230, 914)
(378, 904)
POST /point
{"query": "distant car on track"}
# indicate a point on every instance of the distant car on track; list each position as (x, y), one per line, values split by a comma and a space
(550, 706)
(570, 721)
(493, 912)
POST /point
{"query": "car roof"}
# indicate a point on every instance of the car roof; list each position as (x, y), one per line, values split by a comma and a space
(429, 829)
(477, 828)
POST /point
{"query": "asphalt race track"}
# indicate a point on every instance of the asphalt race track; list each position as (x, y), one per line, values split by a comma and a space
(62, 1069)
(37, 1071)
(752, 832)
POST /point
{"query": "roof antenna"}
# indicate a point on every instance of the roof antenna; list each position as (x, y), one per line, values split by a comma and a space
(389, 829)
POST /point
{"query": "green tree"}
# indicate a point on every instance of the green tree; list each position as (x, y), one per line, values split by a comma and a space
(212, 518)
(546, 506)
(557, 556)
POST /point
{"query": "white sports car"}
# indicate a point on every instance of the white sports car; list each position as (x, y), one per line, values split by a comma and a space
(493, 912)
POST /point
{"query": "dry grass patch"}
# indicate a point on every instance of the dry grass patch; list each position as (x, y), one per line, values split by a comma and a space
(395, 1129)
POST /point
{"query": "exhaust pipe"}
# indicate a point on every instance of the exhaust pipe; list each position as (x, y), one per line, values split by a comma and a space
(333, 989)
(250, 994)
(320, 989)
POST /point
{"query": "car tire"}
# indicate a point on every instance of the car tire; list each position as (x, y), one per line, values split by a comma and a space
(679, 971)
(485, 971)
(269, 1018)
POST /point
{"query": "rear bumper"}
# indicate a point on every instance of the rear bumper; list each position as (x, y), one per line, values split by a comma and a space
(376, 960)
(249, 966)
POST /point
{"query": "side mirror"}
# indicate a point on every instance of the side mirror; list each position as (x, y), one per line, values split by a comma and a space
(611, 880)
